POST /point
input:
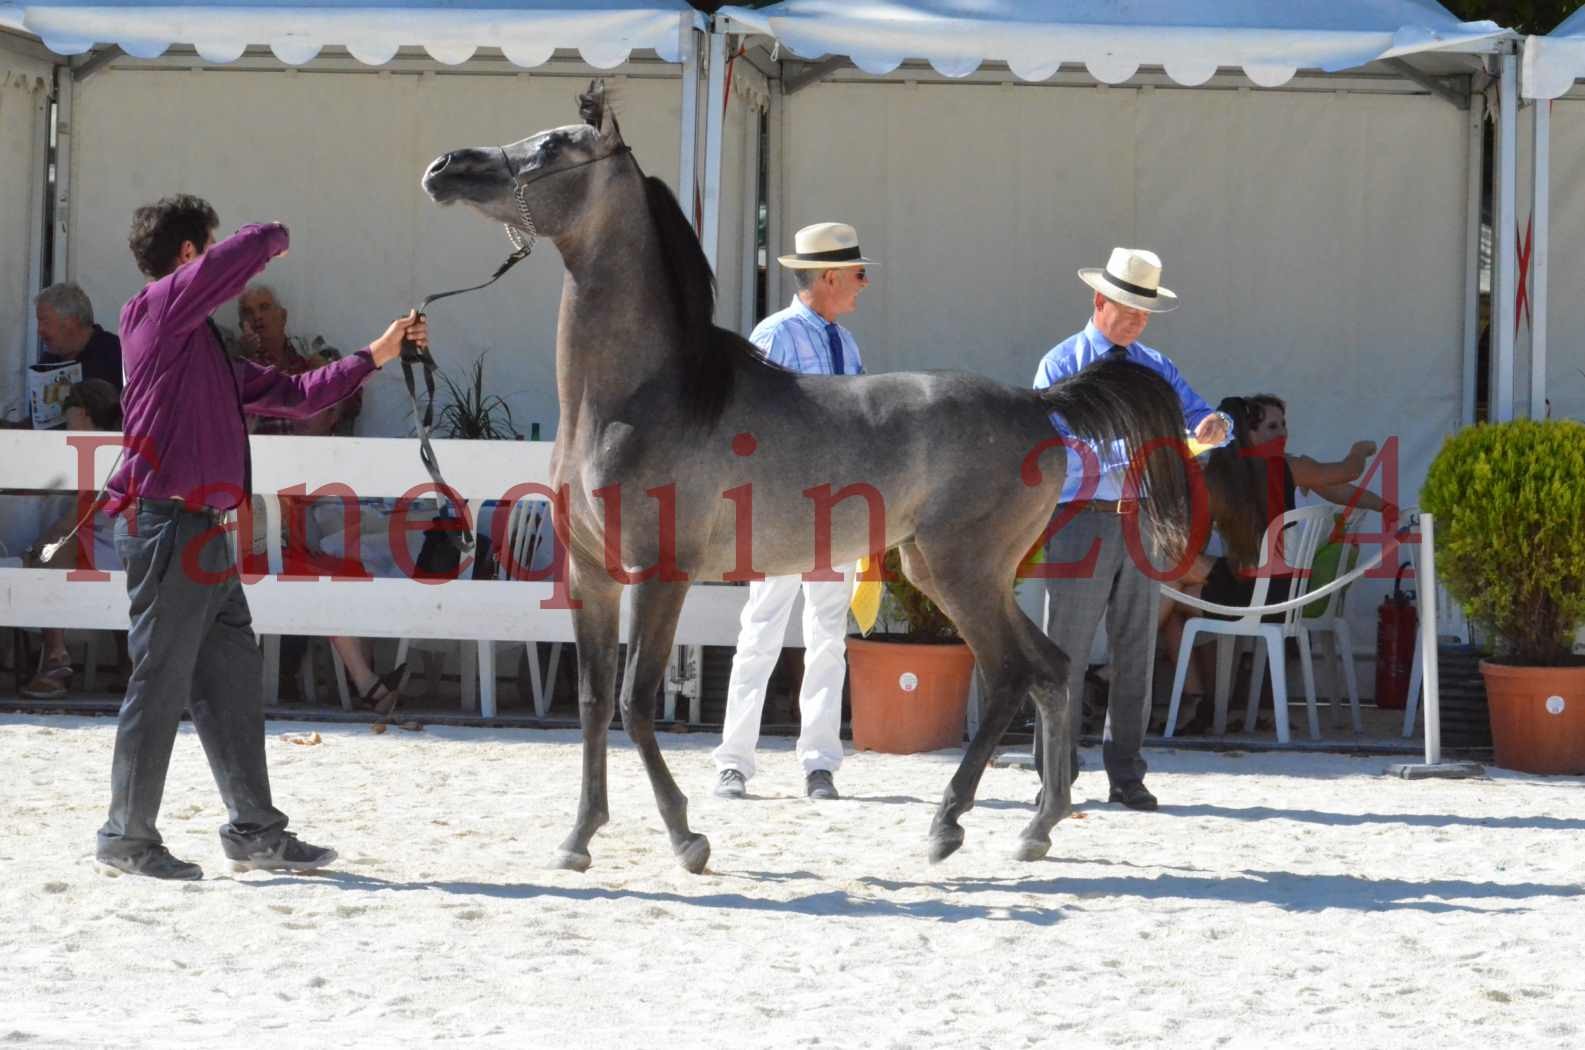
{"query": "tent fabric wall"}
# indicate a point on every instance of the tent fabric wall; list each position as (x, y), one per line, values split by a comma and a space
(1312, 261)
(1565, 311)
(24, 97)
(337, 157)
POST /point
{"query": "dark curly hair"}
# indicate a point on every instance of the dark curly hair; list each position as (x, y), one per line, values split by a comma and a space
(158, 231)
(99, 399)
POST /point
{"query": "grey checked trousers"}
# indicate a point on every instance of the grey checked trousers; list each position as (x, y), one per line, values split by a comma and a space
(1117, 589)
(192, 648)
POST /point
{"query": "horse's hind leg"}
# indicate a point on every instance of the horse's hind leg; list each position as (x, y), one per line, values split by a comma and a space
(1016, 661)
(1053, 699)
(594, 623)
(656, 607)
(1016, 668)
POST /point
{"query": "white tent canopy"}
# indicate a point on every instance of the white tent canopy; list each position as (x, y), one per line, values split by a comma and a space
(1191, 39)
(1553, 62)
(604, 32)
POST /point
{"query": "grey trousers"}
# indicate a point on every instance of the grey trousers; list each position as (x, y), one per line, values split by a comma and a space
(1116, 588)
(192, 648)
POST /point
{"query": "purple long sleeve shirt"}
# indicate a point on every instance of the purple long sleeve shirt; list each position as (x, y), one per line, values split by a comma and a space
(184, 402)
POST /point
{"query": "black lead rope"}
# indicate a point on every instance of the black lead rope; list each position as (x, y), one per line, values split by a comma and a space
(413, 354)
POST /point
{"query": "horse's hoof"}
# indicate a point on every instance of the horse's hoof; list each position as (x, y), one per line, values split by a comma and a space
(944, 843)
(1031, 849)
(694, 854)
(572, 860)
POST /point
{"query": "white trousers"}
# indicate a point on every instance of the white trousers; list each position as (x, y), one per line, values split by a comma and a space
(759, 644)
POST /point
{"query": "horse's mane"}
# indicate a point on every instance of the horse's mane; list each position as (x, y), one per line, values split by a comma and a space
(709, 354)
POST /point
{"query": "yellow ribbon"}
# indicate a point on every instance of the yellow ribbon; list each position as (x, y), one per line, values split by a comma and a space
(866, 601)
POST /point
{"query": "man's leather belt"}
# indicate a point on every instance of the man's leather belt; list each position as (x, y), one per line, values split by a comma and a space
(175, 506)
(1111, 506)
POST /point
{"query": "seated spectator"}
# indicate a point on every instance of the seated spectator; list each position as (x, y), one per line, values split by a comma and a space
(66, 325)
(262, 320)
(1242, 507)
(93, 404)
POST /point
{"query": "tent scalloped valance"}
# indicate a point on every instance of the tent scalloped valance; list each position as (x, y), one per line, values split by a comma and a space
(604, 33)
(1190, 39)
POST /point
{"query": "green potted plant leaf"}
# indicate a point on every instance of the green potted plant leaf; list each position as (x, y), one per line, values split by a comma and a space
(1509, 507)
(471, 414)
(910, 677)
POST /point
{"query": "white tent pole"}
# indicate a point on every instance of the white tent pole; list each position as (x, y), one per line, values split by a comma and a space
(1426, 586)
(37, 234)
(65, 98)
(714, 89)
(688, 153)
(1476, 150)
(749, 267)
(1541, 217)
(1501, 407)
(773, 196)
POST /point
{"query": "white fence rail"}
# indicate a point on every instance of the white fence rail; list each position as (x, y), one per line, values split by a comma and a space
(485, 611)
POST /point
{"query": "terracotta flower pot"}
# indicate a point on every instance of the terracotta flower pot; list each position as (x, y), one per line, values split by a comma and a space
(908, 698)
(1537, 717)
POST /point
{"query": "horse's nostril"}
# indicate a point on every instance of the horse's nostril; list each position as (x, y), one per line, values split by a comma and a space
(439, 165)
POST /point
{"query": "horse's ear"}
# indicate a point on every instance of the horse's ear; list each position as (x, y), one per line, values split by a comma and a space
(591, 104)
(597, 111)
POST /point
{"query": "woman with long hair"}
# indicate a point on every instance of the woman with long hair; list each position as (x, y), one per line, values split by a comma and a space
(1251, 482)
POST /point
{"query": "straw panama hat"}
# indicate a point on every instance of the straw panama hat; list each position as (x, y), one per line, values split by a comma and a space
(823, 246)
(1132, 277)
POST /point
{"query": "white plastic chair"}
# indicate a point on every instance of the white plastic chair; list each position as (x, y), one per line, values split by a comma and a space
(530, 539)
(1301, 533)
(1330, 623)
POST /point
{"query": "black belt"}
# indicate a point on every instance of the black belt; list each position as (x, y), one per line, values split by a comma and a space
(179, 506)
(1111, 506)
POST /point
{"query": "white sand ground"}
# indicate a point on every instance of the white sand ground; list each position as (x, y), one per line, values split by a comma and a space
(1274, 901)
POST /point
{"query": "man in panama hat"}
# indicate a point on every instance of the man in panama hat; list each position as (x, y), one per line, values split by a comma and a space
(831, 273)
(1127, 293)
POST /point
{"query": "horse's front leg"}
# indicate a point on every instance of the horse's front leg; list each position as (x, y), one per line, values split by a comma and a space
(656, 608)
(595, 626)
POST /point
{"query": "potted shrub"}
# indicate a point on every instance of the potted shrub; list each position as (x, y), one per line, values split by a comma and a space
(910, 677)
(1509, 501)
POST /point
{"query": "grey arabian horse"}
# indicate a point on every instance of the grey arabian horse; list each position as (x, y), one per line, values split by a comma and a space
(681, 456)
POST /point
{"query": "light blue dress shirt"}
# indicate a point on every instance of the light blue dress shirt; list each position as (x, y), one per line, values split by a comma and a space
(1078, 352)
(796, 339)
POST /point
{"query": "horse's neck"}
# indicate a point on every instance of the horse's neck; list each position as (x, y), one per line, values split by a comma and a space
(614, 329)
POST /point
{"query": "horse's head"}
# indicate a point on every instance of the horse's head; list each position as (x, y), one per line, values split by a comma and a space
(547, 174)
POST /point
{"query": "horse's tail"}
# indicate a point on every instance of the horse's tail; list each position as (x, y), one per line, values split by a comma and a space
(1118, 400)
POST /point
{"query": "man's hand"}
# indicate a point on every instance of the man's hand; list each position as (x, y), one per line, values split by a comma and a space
(1212, 431)
(389, 346)
(249, 340)
(1362, 450)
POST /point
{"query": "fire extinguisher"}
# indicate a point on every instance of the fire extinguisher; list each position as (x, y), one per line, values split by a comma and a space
(1396, 624)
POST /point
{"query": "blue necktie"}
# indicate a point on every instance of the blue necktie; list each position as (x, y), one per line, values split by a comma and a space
(834, 336)
(1117, 351)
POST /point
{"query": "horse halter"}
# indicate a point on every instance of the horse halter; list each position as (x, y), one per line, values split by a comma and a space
(522, 237)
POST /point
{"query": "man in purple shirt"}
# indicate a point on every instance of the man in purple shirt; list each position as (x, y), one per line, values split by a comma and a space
(186, 466)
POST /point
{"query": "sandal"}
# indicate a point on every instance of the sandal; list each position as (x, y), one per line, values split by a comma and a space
(1201, 718)
(390, 681)
(59, 670)
(43, 687)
